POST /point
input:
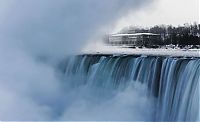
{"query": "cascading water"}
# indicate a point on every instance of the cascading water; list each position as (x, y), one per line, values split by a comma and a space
(134, 87)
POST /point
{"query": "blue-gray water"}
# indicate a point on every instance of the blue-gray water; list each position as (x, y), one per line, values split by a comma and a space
(132, 88)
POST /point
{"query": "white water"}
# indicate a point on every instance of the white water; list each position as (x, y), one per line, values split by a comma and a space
(132, 88)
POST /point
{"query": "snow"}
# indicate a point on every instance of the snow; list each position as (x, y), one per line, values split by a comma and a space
(114, 50)
(135, 34)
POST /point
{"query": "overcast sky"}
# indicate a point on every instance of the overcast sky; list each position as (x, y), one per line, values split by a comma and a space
(175, 12)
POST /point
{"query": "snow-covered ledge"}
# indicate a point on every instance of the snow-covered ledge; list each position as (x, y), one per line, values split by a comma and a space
(114, 50)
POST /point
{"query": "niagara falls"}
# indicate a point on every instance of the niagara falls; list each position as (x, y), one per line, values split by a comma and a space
(100, 60)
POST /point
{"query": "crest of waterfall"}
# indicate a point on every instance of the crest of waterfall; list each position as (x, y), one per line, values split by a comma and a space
(169, 84)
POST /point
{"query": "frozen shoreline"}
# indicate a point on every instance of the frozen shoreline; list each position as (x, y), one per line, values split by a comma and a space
(113, 50)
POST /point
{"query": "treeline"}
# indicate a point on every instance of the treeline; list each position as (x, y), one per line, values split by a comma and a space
(187, 34)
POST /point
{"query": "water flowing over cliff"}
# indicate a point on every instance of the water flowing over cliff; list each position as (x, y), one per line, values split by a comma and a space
(145, 87)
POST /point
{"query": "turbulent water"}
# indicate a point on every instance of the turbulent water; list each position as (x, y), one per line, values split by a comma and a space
(132, 88)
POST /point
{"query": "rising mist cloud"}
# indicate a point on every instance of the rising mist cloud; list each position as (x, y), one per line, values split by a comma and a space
(51, 27)
(31, 89)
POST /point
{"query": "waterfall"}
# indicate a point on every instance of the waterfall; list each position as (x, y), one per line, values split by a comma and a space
(169, 85)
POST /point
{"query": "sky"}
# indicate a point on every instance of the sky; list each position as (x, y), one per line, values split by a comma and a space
(174, 12)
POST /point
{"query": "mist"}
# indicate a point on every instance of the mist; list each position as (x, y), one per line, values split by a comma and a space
(50, 27)
(35, 32)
